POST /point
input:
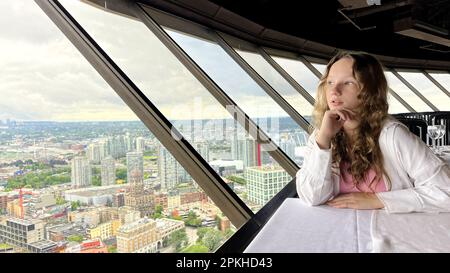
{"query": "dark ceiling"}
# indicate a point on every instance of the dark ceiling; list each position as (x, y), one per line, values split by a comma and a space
(403, 33)
(320, 21)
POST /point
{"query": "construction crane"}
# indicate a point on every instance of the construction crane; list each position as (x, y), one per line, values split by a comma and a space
(21, 193)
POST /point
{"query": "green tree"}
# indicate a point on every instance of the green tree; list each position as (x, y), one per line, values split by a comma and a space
(96, 170)
(75, 205)
(212, 239)
(197, 248)
(158, 212)
(228, 233)
(112, 249)
(201, 233)
(166, 241)
(179, 239)
(192, 220)
(121, 174)
(60, 201)
(237, 179)
(75, 238)
(96, 181)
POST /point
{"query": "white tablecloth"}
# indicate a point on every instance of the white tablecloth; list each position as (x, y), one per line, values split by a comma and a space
(445, 154)
(295, 227)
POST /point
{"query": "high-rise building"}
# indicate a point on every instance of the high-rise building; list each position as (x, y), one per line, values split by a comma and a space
(95, 152)
(108, 171)
(168, 169)
(264, 182)
(117, 146)
(137, 197)
(288, 146)
(140, 144)
(246, 150)
(135, 165)
(81, 172)
(203, 149)
(129, 142)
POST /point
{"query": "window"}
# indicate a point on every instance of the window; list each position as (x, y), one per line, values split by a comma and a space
(406, 94)
(320, 67)
(443, 79)
(174, 91)
(239, 86)
(55, 108)
(265, 70)
(301, 74)
(428, 89)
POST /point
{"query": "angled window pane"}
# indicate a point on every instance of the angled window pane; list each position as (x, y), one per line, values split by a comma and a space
(428, 89)
(265, 70)
(443, 79)
(237, 84)
(405, 93)
(300, 73)
(175, 91)
(395, 106)
(90, 169)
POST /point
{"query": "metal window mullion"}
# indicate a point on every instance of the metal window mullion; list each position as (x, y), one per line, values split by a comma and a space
(248, 124)
(412, 88)
(310, 66)
(155, 121)
(435, 82)
(402, 101)
(299, 119)
(286, 76)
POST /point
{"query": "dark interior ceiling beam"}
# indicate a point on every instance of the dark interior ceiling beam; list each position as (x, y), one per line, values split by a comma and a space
(370, 10)
(422, 31)
(319, 38)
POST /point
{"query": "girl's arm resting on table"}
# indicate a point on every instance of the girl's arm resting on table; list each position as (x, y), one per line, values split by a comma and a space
(430, 175)
(313, 180)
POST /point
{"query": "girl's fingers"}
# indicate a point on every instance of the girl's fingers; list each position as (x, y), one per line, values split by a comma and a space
(351, 113)
(339, 115)
(346, 114)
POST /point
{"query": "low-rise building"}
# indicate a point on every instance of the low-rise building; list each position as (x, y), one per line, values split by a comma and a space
(44, 246)
(165, 227)
(60, 232)
(20, 232)
(104, 231)
(97, 196)
(138, 237)
(88, 246)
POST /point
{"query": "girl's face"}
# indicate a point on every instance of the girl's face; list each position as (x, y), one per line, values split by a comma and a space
(341, 87)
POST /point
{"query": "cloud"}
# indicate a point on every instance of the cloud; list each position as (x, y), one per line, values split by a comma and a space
(44, 77)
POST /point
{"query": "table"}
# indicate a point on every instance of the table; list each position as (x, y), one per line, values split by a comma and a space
(296, 227)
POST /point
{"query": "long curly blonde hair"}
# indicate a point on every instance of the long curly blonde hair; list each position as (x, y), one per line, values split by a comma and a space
(365, 152)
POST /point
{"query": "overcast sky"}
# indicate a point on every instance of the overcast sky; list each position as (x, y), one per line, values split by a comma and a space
(43, 76)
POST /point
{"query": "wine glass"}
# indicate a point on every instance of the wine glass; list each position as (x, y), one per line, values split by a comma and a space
(433, 132)
(441, 130)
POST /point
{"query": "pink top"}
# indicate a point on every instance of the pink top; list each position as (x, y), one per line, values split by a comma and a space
(346, 181)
